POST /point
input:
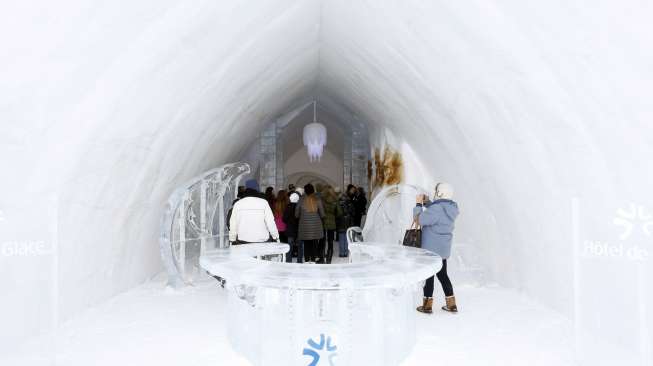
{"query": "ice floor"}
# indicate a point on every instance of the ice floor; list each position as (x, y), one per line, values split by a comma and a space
(152, 326)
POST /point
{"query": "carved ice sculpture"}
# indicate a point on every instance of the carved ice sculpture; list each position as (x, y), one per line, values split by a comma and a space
(194, 220)
(390, 213)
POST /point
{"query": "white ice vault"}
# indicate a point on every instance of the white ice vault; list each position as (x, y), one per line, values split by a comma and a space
(537, 112)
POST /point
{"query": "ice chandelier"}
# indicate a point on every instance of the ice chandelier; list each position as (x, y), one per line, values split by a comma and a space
(315, 137)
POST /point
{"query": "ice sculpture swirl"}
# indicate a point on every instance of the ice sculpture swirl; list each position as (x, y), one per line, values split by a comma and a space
(194, 220)
(390, 213)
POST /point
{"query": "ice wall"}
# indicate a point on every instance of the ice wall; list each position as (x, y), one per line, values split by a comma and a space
(522, 106)
(106, 107)
(537, 112)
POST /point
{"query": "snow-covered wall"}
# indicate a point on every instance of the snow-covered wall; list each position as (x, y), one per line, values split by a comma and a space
(108, 106)
(538, 113)
(522, 106)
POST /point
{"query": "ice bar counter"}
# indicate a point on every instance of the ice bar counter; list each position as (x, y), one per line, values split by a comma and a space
(358, 313)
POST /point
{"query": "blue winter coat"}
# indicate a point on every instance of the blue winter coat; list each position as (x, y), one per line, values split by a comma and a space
(437, 221)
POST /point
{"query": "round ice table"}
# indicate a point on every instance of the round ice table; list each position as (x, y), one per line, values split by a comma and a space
(359, 313)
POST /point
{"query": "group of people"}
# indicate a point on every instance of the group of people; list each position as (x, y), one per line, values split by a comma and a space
(309, 219)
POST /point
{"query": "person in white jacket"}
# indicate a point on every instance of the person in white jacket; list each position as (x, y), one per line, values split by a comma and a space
(252, 220)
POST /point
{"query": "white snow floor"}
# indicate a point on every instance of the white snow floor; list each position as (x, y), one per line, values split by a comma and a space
(151, 326)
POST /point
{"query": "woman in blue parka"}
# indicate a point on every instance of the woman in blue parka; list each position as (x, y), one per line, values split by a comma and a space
(437, 221)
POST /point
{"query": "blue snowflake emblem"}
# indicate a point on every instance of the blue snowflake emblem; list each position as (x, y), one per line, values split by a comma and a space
(315, 347)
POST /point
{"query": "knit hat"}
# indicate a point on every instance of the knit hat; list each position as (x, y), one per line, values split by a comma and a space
(309, 189)
(252, 184)
(443, 191)
(294, 197)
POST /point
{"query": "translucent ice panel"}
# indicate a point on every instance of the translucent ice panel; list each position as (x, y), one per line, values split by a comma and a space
(194, 220)
(391, 213)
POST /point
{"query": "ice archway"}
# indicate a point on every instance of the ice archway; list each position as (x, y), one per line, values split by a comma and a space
(538, 113)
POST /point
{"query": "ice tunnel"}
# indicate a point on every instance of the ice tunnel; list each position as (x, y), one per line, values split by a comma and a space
(538, 113)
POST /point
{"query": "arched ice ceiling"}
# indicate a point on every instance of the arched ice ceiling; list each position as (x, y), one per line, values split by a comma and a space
(108, 106)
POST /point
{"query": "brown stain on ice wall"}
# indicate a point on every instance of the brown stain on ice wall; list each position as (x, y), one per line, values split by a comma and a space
(387, 168)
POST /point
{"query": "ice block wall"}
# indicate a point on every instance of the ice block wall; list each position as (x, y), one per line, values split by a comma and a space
(521, 106)
(106, 109)
(537, 112)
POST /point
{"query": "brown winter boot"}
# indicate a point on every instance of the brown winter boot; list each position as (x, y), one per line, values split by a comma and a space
(451, 304)
(427, 306)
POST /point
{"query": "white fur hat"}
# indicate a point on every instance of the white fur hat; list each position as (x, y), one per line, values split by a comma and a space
(443, 190)
(294, 197)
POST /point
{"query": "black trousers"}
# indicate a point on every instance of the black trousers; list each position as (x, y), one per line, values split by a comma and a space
(319, 251)
(331, 235)
(311, 249)
(443, 277)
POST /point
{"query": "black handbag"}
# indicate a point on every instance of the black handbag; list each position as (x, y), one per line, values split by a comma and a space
(413, 236)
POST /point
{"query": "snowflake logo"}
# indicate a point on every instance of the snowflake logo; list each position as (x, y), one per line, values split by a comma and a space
(315, 347)
(626, 219)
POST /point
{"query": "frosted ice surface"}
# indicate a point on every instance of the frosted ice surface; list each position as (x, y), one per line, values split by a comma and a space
(391, 213)
(500, 326)
(358, 313)
(194, 220)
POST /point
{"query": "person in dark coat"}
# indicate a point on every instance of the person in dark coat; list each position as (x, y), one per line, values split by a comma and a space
(360, 205)
(310, 213)
(291, 229)
(346, 220)
(270, 196)
(332, 213)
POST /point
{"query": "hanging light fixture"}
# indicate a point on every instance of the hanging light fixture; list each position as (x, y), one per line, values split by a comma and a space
(315, 137)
